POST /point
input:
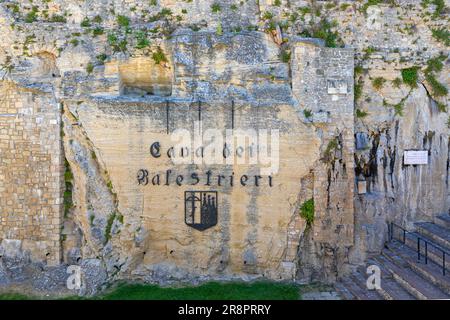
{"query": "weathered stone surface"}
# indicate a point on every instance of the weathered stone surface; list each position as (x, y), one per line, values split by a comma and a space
(245, 64)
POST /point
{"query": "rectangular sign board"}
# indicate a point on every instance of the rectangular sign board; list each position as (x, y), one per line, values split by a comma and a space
(415, 157)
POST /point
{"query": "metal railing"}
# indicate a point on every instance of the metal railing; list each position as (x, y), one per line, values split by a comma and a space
(391, 230)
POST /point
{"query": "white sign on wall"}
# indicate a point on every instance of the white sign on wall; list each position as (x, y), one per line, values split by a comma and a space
(415, 157)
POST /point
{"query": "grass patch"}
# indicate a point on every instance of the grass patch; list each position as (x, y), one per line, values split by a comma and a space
(258, 290)
(14, 296)
(209, 291)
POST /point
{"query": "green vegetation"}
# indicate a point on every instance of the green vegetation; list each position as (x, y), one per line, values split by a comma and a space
(410, 76)
(159, 56)
(448, 122)
(153, 2)
(74, 42)
(142, 41)
(441, 107)
(307, 113)
(439, 90)
(215, 7)
(439, 6)
(57, 18)
(370, 3)
(398, 109)
(378, 83)
(307, 211)
(442, 35)
(258, 290)
(85, 23)
(285, 56)
(331, 148)
(97, 31)
(68, 180)
(361, 113)
(117, 46)
(219, 30)
(267, 15)
(323, 30)
(277, 3)
(434, 66)
(358, 90)
(397, 82)
(89, 68)
(32, 15)
(102, 57)
(209, 291)
(344, 6)
(97, 19)
(108, 227)
(14, 296)
(123, 21)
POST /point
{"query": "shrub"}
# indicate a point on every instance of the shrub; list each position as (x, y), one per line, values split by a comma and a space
(85, 23)
(277, 3)
(361, 113)
(378, 83)
(89, 68)
(307, 211)
(435, 64)
(215, 7)
(58, 18)
(97, 19)
(410, 76)
(219, 30)
(397, 82)
(102, 57)
(142, 40)
(123, 21)
(439, 90)
(32, 15)
(442, 35)
(398, 109)
(267, 15)
(357, 91)
(285, 56)
(441, 107)
(159, 56)
(97, 31)
(74, 42)
(307, 113)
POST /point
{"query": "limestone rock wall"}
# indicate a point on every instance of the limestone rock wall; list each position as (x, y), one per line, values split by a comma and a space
(127, 70)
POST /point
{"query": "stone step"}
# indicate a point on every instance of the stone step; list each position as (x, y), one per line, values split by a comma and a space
(360, 280)
(443, 220)
(352, 286)
(390, 289)
(430, 271)
(343, 291)
(434, 250)
(438, 234)
(409, 280)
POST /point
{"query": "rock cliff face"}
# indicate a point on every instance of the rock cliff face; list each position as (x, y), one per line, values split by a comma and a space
(93, 91)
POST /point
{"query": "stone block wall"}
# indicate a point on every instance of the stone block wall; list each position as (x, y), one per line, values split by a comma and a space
(31, 172)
